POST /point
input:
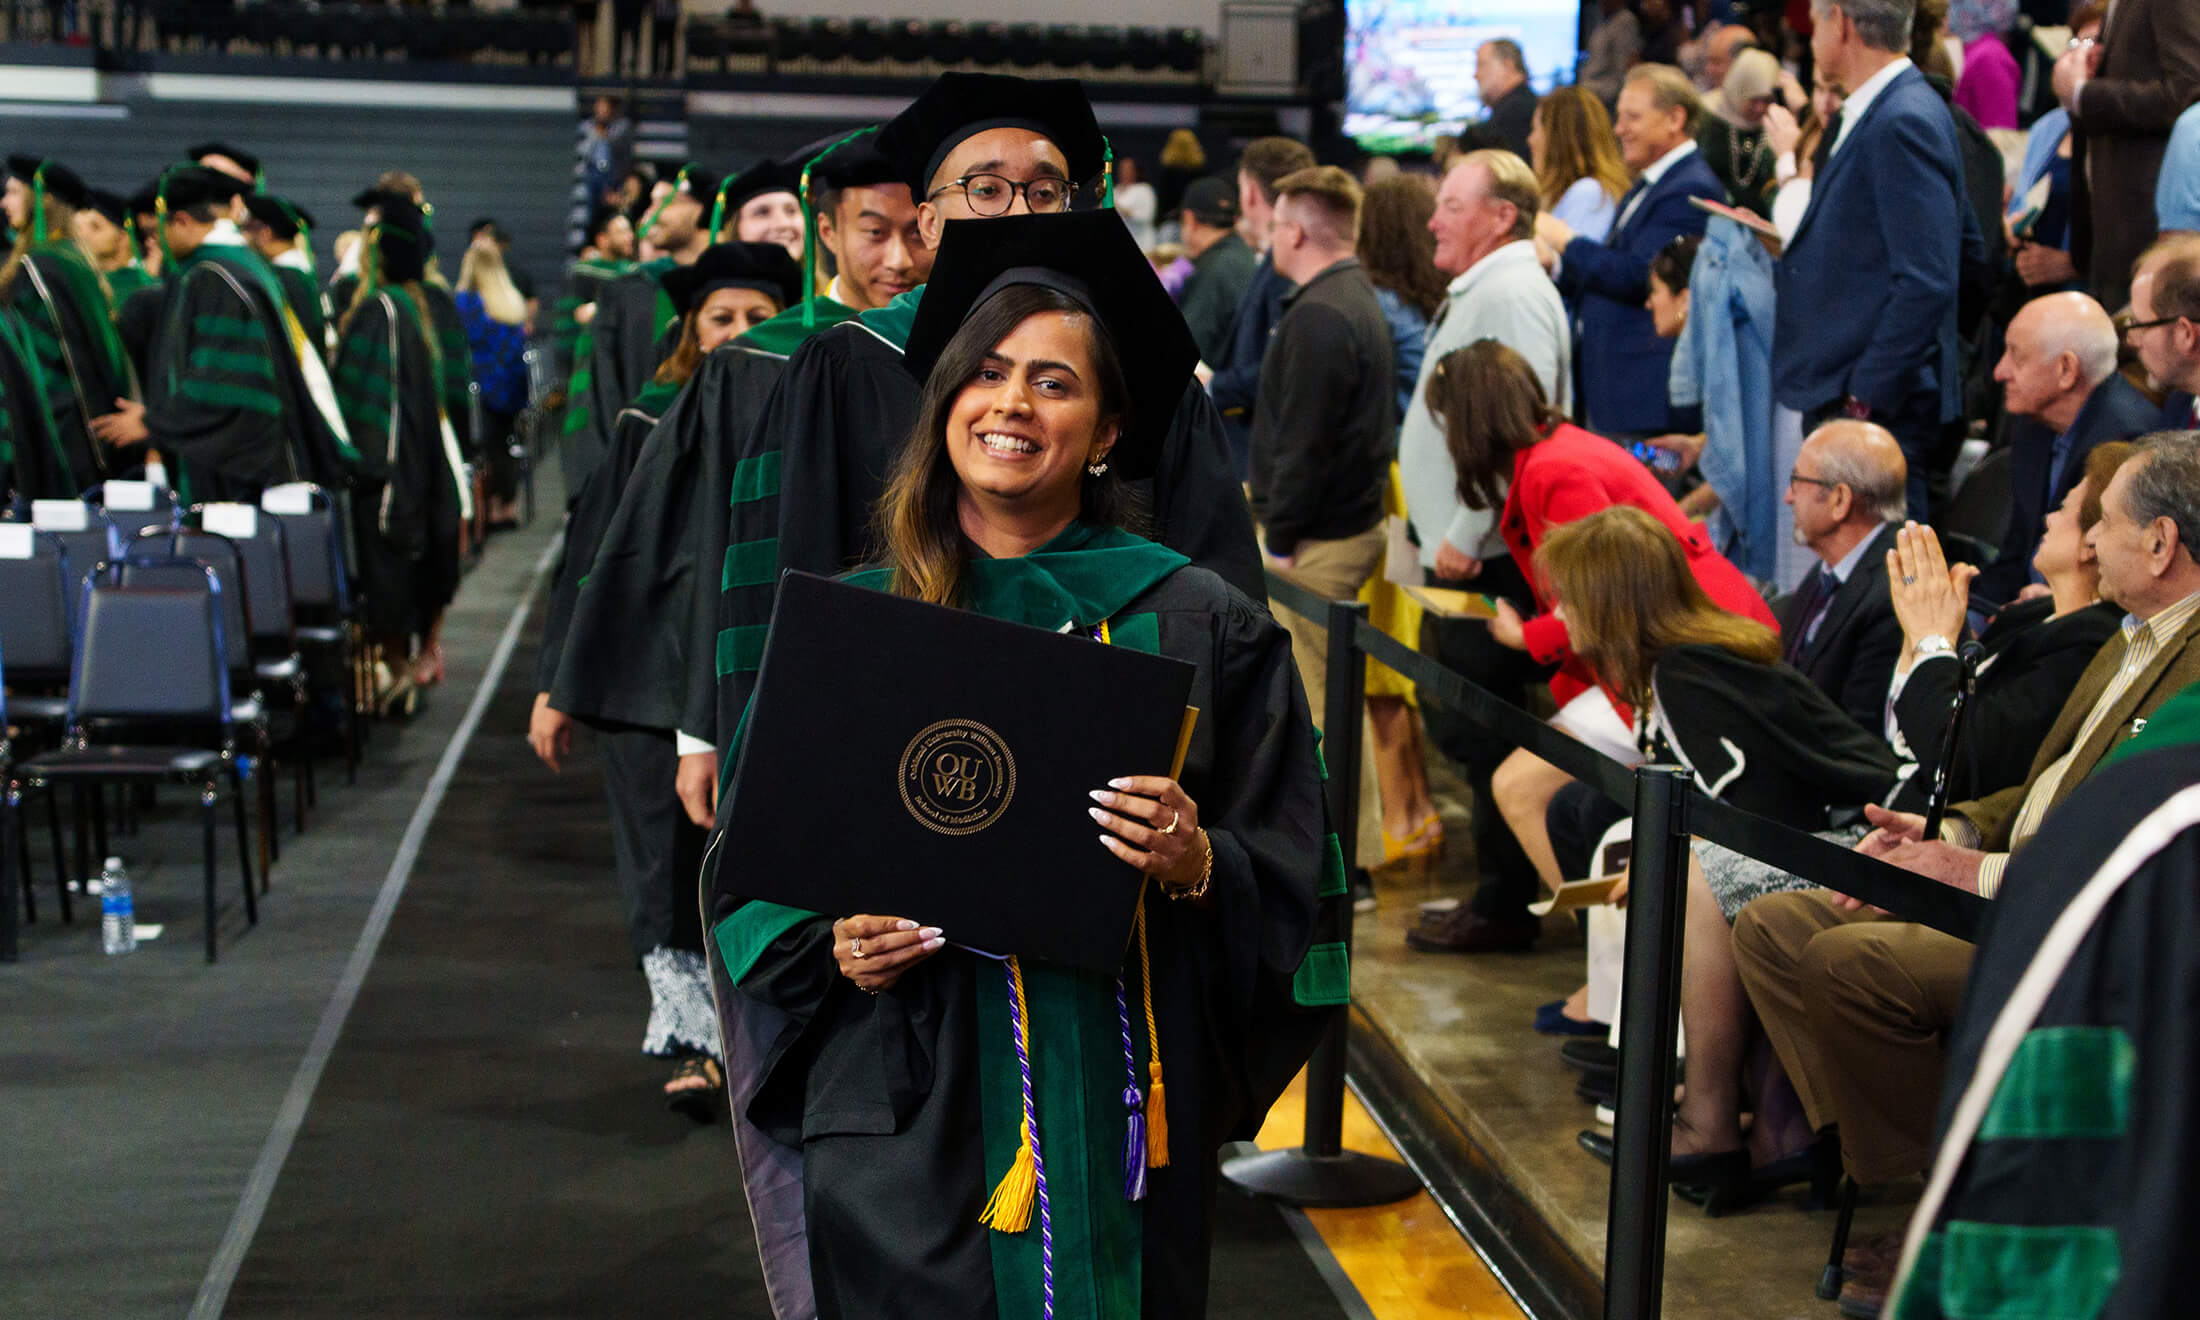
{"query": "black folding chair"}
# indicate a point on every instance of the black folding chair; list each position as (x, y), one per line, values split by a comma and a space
(131, 523)
(37, 623)
(320, 594)
(169, 559)
(152, 667)
(277, 666)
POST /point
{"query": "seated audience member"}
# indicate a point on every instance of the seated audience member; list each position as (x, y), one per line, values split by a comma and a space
(2031, 655)
(1623, 362)
(1576, 159)
(1838, 627)
(1223, 264)
(1858, 1003)
(1732, 135)
(1501, 77)
(1484, 222)
(2058, 374)
(1512, 452)
(1710, 693)
(2165, 325)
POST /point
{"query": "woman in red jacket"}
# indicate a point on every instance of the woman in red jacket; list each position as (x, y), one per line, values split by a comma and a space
(1511, 449)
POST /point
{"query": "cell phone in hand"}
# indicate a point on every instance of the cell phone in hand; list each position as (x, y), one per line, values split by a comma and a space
(1658, 460)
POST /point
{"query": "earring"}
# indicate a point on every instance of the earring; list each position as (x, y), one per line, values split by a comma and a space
(1096, 469)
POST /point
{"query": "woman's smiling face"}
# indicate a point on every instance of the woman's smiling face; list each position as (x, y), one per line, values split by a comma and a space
(1023, 428)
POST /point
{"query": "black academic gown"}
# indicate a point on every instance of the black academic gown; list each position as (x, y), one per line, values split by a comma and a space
(642, 640)
(137, 320)
(226, 395)
(406, 501)
(304, 298)
(33, 464)
(64, 313)
(2074, 1196)
(624, 346)
(849, 383)
(881, 1093)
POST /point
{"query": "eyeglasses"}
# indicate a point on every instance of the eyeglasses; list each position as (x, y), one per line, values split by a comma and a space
(991, 195)
(1794, 477)
(2081, 43)
(2132, 327)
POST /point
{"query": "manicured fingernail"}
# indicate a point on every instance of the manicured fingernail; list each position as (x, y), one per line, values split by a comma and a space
(929, 933)
(1103, 797)
(934, 945)
(1119, 783)
(1097, 814)
(905, 925)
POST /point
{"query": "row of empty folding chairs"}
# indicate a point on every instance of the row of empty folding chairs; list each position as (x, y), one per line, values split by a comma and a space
(105, 605)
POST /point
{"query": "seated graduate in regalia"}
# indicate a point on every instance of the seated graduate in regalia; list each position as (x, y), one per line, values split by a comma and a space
(984, 1138)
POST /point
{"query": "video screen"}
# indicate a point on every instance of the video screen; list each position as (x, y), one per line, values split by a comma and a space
(1410, 63)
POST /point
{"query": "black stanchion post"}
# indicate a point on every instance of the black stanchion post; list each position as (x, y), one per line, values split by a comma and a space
(1321, 1172)
(1657, 900)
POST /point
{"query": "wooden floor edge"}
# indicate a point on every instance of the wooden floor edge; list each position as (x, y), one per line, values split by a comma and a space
(1521, 1248)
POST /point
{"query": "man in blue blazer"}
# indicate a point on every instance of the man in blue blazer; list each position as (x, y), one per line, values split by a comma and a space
(1624, 364)
(1867, 287)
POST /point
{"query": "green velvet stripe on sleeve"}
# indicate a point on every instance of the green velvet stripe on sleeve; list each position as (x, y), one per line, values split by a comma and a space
(743, 937)
(741, 650)
(756, 478)
(2062, 1083)
(750, 564)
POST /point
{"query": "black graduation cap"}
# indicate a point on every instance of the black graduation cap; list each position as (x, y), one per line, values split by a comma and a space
(765, 267)
(62, 183)
(193, 185)
(146, 200)
(370, 199)
(284, 218)
(114, 206)
(855, 163)
(1092, 257)
(245, 159)
(959, 106)
(771, 176)
(699, 181)
(402, 239)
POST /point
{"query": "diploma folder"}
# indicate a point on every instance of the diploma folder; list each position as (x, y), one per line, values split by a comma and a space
(904, 759)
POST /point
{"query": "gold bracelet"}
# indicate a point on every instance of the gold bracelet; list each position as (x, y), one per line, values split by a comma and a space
(1198, 888)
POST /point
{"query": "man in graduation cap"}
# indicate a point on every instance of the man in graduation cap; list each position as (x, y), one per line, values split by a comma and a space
(105, 229)
(65, 315)
(242, 166)
(236, 397)
(972, 147)
(607, 252)
(625, 340)
(274, 228)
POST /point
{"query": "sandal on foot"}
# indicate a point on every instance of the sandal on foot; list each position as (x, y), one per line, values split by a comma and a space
(694, 1088)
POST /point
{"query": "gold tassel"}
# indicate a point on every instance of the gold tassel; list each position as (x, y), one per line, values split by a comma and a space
(1008, 1210)
(1157, 1111)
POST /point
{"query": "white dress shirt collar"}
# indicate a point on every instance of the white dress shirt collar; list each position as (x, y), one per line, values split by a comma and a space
(1860, 100)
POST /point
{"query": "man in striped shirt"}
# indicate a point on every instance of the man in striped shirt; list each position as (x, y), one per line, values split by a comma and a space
(1857, 1003)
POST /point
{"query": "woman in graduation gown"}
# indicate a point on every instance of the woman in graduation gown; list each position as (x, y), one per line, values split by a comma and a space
(388, 385)
(980, 1138)
(587, 672)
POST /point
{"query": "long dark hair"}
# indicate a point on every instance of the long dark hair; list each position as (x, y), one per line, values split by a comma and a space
(1395, 244)
(916, 523)
(1491, 406)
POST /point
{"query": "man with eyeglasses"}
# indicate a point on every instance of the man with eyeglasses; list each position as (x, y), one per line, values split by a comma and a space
(1839, 627)
(2164, 329)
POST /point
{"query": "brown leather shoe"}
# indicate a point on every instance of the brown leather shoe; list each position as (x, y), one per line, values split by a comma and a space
(1462, 931)
(1869, 1267)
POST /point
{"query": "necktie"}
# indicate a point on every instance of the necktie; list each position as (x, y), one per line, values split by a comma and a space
(1627, 204)
(1815, 593)
(1823, 152)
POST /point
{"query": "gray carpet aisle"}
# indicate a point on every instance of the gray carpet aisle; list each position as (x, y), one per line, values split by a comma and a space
(484, 1140)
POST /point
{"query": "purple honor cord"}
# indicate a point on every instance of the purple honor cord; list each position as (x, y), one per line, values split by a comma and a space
(1038, 1161)
(1134, 1131)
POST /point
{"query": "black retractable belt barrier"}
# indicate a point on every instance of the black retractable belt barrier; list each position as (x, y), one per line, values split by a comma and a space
(1320, 1171)
(1668, 811)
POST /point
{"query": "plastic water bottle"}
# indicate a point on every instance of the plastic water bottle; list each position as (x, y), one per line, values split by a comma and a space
(117, 917)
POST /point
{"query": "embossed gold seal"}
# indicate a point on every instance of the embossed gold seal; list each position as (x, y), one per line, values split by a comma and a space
(957, 777)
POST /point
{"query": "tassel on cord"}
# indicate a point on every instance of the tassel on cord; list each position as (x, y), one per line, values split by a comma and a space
(809, 226)
(1008, 1210)
(1157, 1109)
(1134, 1103)
(1107, 172)
(38, 204)
(718, 207)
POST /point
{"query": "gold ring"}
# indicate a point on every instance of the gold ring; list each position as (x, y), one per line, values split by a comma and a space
(1176, 818)
(855, 949)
